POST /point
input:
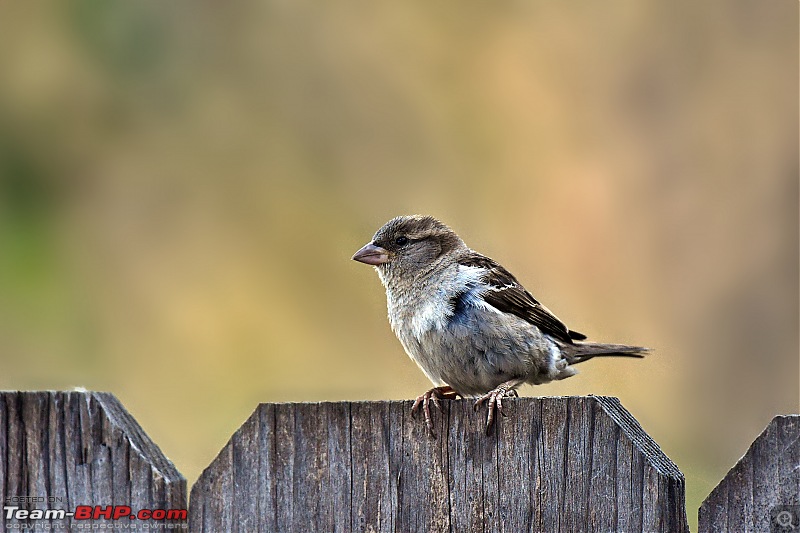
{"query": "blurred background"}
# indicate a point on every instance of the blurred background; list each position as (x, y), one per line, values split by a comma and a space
(182, 187)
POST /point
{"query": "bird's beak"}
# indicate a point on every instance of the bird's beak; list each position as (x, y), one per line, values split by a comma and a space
(371, 255)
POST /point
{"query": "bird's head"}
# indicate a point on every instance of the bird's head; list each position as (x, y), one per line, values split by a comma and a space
(409, 245)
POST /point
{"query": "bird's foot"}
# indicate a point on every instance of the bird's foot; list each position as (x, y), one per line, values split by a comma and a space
(432, 396)
(495, 399)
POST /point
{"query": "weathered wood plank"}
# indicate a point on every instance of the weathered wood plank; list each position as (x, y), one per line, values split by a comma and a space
(465, 469)
(762, 491)
(60, 450)
(340, 465)
(554, 465)
(375, 431)
(516, 458)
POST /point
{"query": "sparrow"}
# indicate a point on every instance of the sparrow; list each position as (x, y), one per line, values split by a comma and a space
(466, 321)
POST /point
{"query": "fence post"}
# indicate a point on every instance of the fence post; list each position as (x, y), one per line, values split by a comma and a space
(60, 450)
(762, 491)
(555, 465)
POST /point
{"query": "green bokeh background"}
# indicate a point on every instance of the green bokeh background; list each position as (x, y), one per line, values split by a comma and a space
(182, 186)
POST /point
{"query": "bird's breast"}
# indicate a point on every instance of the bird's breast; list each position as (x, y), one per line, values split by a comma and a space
(429, 305)
(415, 316)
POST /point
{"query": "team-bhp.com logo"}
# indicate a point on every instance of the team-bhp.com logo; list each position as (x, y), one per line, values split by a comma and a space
(97, 512)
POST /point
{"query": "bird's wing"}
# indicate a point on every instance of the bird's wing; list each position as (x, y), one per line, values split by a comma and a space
(506, 294)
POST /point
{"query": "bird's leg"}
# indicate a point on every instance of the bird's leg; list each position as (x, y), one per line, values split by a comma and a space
(495, 399)
(432, 396)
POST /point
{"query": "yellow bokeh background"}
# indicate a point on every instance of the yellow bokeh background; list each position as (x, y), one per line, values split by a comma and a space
(182, 186)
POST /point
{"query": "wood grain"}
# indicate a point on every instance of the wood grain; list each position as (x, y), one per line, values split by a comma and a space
(765, 482)
(59, 450)
(554, 465)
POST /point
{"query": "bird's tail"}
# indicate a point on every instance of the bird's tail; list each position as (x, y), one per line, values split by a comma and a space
(583, 351)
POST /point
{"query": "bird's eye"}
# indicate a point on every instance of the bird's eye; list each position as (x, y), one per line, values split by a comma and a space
(401, 240)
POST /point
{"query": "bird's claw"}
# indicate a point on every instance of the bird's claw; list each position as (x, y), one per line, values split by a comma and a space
(432, 396)
(495, 399)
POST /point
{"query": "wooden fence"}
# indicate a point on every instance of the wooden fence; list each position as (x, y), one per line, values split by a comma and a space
(555, 465)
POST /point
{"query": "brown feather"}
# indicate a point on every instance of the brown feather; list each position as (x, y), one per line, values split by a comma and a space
(509, 296)
(583, 351)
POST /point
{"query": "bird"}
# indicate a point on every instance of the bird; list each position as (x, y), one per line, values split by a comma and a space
(466, 321)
